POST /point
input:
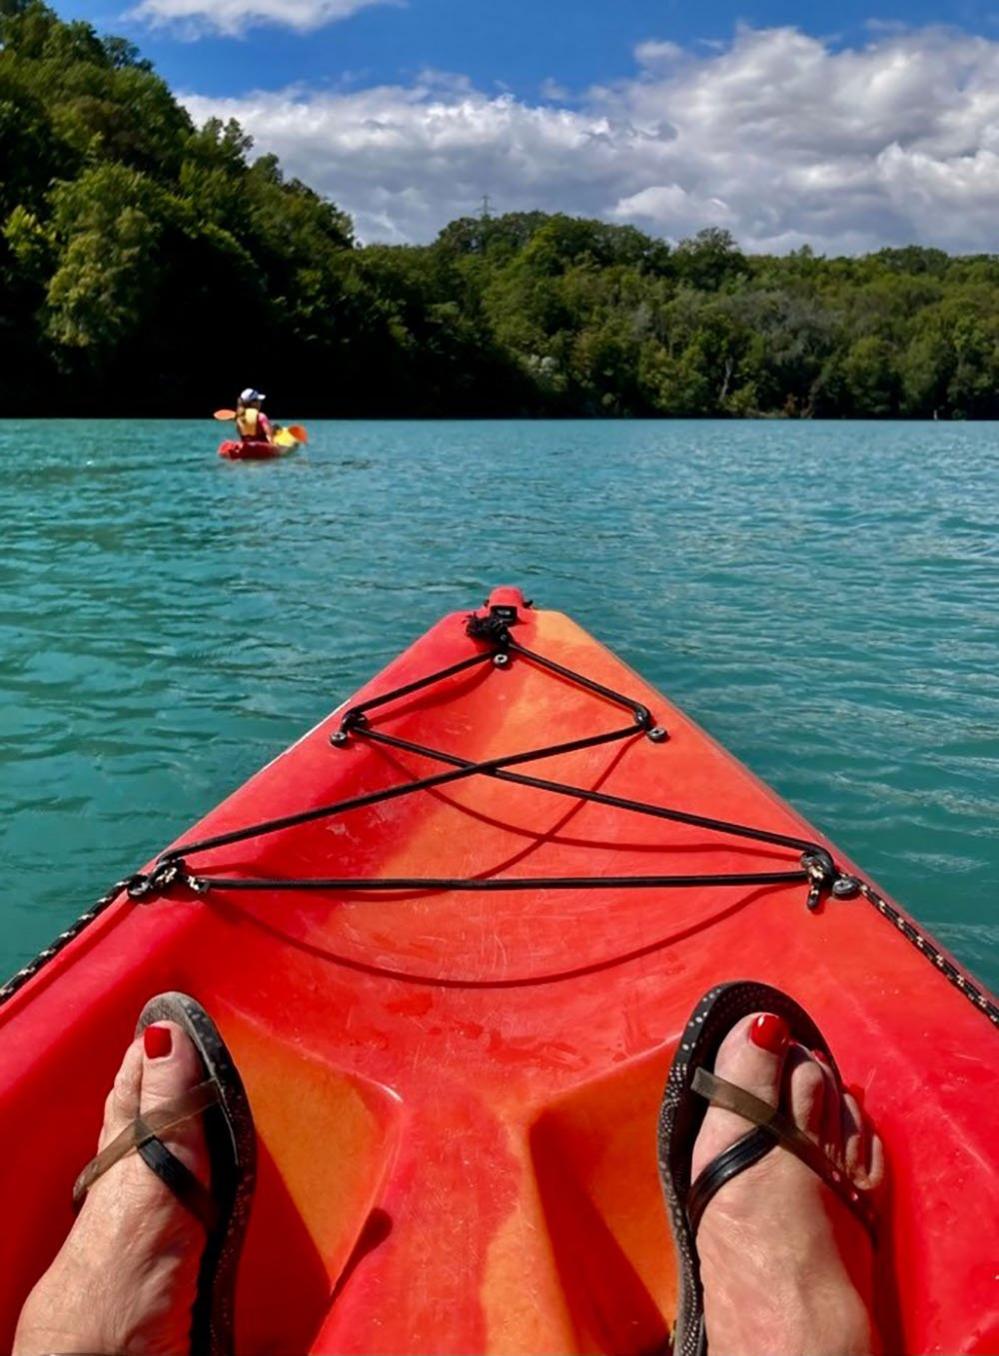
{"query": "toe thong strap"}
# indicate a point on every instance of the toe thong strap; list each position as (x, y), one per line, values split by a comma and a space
(773, 1128)
(142, 1135)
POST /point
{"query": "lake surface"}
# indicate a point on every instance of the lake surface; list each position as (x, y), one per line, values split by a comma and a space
(822, 597)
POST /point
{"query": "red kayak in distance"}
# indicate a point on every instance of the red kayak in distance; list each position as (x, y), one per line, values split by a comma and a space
(452, 937)
(251, 450)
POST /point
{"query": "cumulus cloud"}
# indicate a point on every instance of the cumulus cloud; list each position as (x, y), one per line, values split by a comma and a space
(779, 136)
(233, 17)
(654, 53)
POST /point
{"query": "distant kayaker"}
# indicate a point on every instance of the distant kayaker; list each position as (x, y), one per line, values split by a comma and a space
(252, 424)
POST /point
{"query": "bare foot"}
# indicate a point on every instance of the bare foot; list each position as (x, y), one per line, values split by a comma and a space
(125, 1279)
(786, 1267)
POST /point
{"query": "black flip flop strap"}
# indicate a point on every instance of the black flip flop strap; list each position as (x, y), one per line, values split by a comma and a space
(773, 1128)
(181, 1181)
(142, 1135)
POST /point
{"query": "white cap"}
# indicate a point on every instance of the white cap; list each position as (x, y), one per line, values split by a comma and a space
(250, 395)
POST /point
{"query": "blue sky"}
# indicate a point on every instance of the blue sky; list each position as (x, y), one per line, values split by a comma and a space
(842, 126)
(517, 45)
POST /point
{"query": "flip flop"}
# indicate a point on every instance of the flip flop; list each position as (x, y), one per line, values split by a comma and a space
(690, 1088)
(224, 1209)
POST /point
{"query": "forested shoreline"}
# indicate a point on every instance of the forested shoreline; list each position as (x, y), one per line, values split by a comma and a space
(152, 267)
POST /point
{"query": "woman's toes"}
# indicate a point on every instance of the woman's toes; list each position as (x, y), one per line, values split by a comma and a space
(807, 1092)
(854, 1146)
(170, 1065)
(831, 1134)
(875, 1160)
(122, 1104)
(752, 1057)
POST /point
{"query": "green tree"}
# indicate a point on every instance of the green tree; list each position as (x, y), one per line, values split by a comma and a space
(872, 383)
(710, 260)
(108, 223)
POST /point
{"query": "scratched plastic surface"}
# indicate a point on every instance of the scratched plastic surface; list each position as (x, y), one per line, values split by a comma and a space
(455, 1093)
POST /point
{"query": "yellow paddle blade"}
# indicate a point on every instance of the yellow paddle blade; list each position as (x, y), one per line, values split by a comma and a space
(224, 414)
(285, 438)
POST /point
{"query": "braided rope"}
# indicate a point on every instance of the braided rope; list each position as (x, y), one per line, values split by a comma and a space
(52, 950)
(928, 948)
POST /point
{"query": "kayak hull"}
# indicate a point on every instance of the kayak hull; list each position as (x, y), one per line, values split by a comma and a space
(251, 450)
(455, 1092)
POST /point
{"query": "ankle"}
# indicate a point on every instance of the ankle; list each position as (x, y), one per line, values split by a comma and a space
(792, 1315)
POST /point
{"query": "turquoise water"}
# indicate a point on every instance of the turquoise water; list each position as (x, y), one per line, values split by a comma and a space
(822, 597)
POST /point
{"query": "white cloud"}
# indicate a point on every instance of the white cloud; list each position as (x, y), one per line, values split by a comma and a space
(654, 53)
(779, 136)
(663, 202)
(551, 89)
(234, 17)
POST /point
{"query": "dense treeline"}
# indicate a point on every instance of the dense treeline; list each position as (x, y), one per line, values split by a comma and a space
(151, 266)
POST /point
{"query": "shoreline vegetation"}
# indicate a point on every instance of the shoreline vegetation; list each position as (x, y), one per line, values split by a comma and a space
(149, 267)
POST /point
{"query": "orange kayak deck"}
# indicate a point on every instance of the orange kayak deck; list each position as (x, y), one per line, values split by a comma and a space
(456, 1091)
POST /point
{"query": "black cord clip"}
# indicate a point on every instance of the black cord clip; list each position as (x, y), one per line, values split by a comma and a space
(822, 873)
(825, 876)
(352, 720)
(495, 629)
(163, 875)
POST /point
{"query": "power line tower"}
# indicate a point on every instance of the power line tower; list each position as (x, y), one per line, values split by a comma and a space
(485, 214)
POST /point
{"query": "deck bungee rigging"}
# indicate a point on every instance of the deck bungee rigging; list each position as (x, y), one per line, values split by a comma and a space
(491, 630)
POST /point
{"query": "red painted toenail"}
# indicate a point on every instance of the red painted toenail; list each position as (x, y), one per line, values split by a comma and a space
(769, 1032)
(157, 1041)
